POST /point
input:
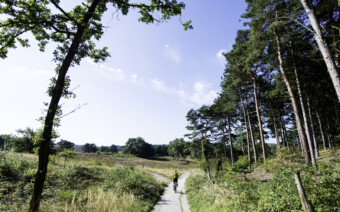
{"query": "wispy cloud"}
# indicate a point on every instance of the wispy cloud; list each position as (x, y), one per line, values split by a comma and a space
(203, 94)
(109, 72)
(159, 85)
(172, 53)
(200, 94)
(220, 56)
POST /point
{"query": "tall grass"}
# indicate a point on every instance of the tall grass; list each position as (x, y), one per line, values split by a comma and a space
(234, 191)
(77, 188)
(98, 200)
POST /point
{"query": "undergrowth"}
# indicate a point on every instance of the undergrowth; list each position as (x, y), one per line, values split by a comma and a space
(235, 191)
(76, 188)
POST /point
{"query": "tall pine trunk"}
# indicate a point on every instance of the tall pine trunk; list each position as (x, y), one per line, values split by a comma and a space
(276, 132)
(44, 148)
(303, 110)
(246, 126)
(251, 132)
(294, 103)
(283, 130)
(323, 46)
(312, 128)
(230, 142)
(259, 118)
(321, 130)
(329, 134)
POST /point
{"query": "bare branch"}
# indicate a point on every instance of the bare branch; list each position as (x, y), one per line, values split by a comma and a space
(74, 110)
(63, 11)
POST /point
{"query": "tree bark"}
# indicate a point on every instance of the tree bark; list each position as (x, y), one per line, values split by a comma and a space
(259, 119)
(321, 130)
(275, 128)
(224, 144)
(56, 95)
(303, 110)
(294, 103)
(247, 134)
(312, 128)
(231, 142)
(323, 46)
(330, 138)
(282, 131)
(251, 132)
(307, 206)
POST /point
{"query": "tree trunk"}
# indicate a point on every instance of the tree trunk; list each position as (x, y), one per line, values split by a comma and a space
(251, 132)
(337, 117)
(294, 103)
(307, 206)
(303, 110)
(231, 143)
(330, 138)
(247, 134)
(321, 130)
(312, 128)
(224, 144)
(275, 129)
(282, 131)
(323, 46)
(56, 95)
(259, 119)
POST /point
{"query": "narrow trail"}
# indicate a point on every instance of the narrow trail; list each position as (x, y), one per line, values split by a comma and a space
(171, 201)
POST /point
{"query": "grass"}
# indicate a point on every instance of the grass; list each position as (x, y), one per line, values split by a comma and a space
(270, 186)
(89, 182)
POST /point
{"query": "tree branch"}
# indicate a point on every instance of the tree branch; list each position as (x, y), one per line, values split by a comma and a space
(63, 11)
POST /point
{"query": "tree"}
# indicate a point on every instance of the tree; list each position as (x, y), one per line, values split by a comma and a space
(323, 45)
(89, 148)
(113, 149)
(64, 144)
(202, 128)
(74, 31)
(66, 154)
(176, 148)
(139, 148)
(4, 139)
(23, 142)
(161, 150)
(103, 148)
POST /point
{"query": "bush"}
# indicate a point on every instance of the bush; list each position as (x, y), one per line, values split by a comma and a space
(127, 179)
(242, 164)
(321, 187)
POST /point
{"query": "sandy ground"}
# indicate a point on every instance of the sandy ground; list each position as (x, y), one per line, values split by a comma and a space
(171, 201)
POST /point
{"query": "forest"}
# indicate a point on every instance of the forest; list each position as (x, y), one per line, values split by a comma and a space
(269, 142)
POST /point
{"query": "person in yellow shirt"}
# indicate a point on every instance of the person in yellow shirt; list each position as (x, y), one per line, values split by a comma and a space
(175, 176)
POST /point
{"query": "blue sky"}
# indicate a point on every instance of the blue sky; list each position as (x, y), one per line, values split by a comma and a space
(155, 75)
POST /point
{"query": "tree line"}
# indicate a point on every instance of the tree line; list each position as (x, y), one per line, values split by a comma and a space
(24, 141)
(279, 82)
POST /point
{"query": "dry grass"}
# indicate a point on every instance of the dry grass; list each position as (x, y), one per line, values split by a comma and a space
(96, 200)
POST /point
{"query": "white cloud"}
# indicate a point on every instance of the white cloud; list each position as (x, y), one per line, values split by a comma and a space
(172, 53)
(220, 56)
(109, 72)
(43, 72)
(134, 78)
(159, 85)
(203, 94)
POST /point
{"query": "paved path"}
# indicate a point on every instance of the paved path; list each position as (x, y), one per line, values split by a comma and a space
(171, 201)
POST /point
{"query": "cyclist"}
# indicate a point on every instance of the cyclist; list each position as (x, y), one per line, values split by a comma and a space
(175, 179)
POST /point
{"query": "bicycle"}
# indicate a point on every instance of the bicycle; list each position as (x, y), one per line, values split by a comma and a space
(175, 186)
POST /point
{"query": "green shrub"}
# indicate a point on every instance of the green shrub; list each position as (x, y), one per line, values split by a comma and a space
(241, 165)
(321, 187)
(129, 180)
